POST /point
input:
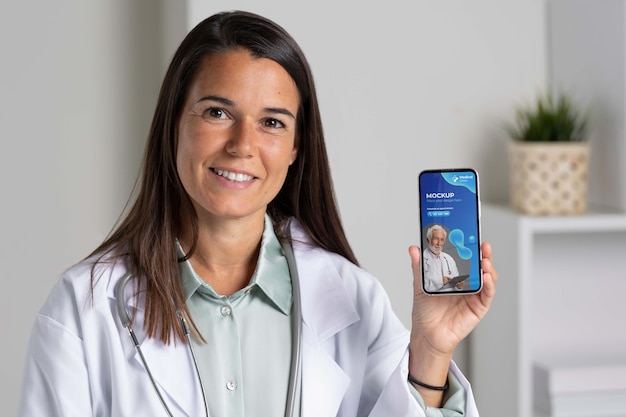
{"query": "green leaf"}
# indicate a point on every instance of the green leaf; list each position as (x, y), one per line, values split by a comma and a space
(550, 120)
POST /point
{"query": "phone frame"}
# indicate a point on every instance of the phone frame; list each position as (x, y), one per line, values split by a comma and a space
(423, 225)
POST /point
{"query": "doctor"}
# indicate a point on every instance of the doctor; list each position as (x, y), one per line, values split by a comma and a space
(439, 267)
(235, 175)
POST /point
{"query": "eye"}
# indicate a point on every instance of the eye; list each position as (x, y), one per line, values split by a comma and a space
(216, 113)
(273, 123)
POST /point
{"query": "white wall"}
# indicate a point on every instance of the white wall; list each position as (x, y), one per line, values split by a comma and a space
(402, 87)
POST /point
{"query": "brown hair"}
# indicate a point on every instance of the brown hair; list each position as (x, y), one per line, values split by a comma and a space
(146, 237)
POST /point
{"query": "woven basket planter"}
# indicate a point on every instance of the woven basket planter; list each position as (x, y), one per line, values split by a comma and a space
(549, 178)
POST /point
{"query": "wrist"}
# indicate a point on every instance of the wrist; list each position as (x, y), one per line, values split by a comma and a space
(427, 386)
(428, 372)
(428, 365)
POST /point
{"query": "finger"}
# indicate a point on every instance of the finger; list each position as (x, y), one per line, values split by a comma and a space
(486, 261)
(486, 251)
(489, 289)
(488, 268)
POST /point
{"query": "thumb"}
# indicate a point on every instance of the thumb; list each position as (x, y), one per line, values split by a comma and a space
(414, 252)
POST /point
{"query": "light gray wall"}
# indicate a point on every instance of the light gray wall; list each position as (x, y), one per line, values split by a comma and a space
(78, 82)
(402, 87)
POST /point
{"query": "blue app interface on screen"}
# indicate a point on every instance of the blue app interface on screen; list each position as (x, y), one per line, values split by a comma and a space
(450, 231)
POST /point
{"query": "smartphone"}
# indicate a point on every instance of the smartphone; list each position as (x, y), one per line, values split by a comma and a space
(450, 230)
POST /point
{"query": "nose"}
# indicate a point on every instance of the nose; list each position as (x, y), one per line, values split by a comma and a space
(242, 140)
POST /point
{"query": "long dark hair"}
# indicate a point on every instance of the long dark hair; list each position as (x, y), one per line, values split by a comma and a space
(146, 236)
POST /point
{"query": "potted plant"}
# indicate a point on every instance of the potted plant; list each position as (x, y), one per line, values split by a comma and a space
(549, 157)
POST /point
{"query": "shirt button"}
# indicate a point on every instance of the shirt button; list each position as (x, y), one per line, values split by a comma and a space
(225, 310)
(231, 385)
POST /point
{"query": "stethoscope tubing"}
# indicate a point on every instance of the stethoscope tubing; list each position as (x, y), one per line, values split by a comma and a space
(427, 267)
(296, 329)
(126, 322)
(296, 323)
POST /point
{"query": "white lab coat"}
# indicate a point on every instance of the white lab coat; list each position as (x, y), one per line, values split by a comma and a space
(433, 278)
(81, 361)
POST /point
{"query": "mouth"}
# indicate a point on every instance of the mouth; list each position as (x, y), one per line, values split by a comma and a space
(232, 176)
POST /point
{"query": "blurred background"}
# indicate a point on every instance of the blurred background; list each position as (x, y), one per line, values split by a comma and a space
(403, 86)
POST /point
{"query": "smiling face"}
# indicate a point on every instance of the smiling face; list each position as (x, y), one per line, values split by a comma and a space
(436, 242)
(237, 135)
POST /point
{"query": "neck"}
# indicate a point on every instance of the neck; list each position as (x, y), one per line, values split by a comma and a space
(226, 254)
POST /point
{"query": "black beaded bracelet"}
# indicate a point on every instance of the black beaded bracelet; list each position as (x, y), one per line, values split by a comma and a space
(432, 387)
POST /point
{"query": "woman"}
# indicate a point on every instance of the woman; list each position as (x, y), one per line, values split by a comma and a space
(235, 176)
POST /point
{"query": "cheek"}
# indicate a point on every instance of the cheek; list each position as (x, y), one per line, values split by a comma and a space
(181, 157)
(281, 162)
(189, 148)
(294, 155)
(288, 159)
(185, 153)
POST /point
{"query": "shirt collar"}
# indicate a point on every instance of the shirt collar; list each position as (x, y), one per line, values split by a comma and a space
(271, 274)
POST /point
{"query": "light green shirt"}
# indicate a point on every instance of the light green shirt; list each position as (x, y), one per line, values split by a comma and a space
(245, 364)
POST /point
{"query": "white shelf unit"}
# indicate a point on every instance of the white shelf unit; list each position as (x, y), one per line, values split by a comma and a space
(560, 298)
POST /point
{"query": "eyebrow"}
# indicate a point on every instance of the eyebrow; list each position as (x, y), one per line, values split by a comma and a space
(227, 102)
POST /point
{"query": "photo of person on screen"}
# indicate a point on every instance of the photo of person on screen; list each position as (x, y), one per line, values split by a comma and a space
(439, 267)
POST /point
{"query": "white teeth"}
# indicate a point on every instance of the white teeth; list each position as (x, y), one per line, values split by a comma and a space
(233, 176)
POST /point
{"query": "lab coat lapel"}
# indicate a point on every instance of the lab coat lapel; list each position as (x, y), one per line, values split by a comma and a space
(175, 375)
(324, 383)
(171, 366)
(326, 310)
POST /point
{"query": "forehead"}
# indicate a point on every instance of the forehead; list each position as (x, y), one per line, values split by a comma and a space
(238, 71)
(438, 233)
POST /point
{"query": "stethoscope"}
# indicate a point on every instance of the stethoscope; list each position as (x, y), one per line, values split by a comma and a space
(296, 332)
(427, 261)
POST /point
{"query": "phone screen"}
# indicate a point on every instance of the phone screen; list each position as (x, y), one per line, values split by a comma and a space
(450, 229)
